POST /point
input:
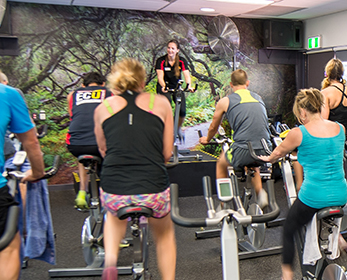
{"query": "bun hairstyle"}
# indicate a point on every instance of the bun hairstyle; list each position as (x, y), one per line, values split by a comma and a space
(177, 59)
(309, 99)
(127, 74)
(333, 72)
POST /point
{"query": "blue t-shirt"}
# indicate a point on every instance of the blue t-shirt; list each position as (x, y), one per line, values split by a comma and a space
(14, 117)
(324, 183)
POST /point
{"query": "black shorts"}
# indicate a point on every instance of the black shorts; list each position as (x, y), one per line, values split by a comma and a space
(172, 97)
(6, 200)
(78, 150)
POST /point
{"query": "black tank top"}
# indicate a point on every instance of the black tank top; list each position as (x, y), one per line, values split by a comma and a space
(339, 114)
(134, 161)
(82, 104)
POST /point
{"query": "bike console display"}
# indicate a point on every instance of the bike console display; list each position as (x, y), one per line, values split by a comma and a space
(224, 189)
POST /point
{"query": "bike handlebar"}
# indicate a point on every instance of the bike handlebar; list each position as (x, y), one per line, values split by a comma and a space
(16, 174)
(175, 215)
(44, 132)
(179, 88)
(216, 140)
(220, 215)
(13, 211)
(10, 227)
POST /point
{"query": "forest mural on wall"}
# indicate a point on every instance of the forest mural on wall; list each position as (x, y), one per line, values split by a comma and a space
(59, 44)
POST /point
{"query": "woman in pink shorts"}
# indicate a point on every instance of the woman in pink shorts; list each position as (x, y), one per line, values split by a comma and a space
(134, 132)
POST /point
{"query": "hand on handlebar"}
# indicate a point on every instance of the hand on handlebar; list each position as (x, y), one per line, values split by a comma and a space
(203, 140)
(164, 89)
(264, 158)
(30, 177)
(191, 89)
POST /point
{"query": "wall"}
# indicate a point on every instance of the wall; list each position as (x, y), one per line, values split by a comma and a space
(332, 28)
(59, 44)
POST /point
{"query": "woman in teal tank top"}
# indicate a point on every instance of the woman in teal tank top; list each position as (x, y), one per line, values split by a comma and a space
(320, 146)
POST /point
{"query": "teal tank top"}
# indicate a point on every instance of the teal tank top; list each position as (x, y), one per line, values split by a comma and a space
(324, 179)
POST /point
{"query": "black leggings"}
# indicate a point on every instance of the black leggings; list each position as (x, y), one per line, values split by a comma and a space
(298, 216)
(172, 97)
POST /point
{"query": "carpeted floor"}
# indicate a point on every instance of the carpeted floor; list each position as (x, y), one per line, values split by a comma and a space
(196, 259)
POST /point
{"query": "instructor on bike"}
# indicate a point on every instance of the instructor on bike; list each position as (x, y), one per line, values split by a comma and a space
(169, 69)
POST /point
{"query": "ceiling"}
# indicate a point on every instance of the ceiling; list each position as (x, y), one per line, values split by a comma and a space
(281, 9)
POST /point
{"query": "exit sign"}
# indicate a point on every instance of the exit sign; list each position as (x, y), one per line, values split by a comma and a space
(314, 42)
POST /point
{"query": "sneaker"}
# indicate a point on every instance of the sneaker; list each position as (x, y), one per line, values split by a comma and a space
(262, 199)
(110, 273)
(124, 244)
(80, 201)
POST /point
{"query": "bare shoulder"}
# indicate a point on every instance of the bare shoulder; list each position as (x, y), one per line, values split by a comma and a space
(294, 133)
(223, 103)
(295, 136)
(329, 91)
(69, 95)
(161, 99)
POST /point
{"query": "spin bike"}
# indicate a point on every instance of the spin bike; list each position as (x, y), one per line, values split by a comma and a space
(13, 178)
(324, 268)
(252, 237)
(180, 155)
(92, 234)
(230, 218)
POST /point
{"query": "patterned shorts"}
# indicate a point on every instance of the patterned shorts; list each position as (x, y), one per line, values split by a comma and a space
(158, 202)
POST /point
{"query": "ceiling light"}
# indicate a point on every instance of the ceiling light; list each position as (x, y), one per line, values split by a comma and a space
(254, 2)
(207, 9)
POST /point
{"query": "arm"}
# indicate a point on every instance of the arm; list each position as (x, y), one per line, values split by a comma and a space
(168, 130)
(161, 81)
(292, 141)
(326, 107)
(221, 108)
(32, 147)
(98, 131)
(68, 98)
(186, 75)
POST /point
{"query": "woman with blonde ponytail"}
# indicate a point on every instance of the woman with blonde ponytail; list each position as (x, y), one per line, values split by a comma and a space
(169, 69)
(133, 130)
(324, 185)
(334, 92)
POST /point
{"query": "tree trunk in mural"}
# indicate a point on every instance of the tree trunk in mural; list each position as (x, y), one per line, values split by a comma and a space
(59, 44)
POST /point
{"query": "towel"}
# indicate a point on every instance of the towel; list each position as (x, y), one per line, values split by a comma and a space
(333, 245)
(39, 242)
(311, 248)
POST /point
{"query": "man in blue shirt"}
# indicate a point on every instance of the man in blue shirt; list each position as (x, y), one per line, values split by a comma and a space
(15, 117)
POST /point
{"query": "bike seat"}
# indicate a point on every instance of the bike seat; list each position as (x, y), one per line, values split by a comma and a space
(134, 211)
(330, 212)
(87, 160)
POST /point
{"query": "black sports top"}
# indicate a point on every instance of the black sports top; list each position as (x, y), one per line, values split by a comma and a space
(169, 71)
(339, 114)
(134, 161)
(82, 105)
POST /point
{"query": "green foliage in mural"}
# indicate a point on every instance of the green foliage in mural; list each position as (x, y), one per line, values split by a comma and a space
(60, 44)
